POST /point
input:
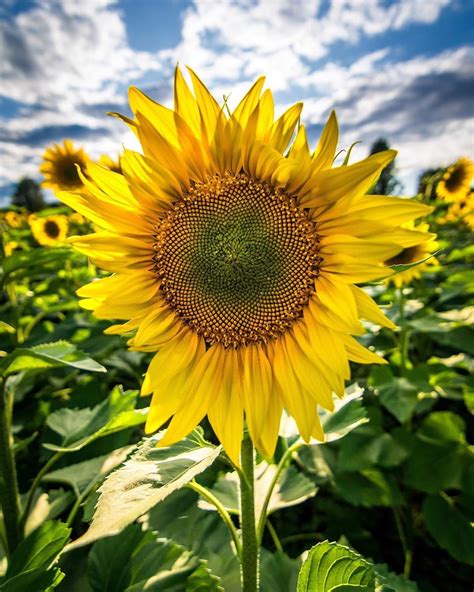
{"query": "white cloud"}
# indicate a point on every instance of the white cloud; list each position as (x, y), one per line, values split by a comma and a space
(64, 53)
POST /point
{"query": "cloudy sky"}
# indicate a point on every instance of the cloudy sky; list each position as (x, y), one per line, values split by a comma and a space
(402, 69)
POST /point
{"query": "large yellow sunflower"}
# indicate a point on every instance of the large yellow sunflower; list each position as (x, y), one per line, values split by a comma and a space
(409, 255)
(234, 256)
(456, 181)
(50, 230)
(59, 167)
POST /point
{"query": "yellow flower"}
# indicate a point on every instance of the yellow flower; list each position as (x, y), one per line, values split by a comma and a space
(456, 181)
(59, 167)
(237, 264)
(110, 163)
(9, 247)
(13, 219)
(50, 231)
(417, 252)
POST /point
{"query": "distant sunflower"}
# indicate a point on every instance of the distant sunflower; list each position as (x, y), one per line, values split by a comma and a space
(60, 167)
(235, 257)
(9, 247)
(462, 211)
(50, 231)
(13, 219)
(456, 181)
(110, 163)
(409, 255)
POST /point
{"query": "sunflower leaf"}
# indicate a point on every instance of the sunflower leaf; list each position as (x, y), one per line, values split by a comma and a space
(136, 560)
(48, 355)
(146, 478)
(80, 427)
(29, 566)
(330, 566)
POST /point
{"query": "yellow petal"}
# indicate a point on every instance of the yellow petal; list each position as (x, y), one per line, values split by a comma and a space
(325, 152)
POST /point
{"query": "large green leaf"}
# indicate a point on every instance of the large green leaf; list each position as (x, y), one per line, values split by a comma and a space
(397, 394)
(278, 572)
(79, 427)
(369, 488)
(439, 455)
(30, 565)
(349, 414)
(329, 566)
(48, 355)
(79, 476)
(136, 560)
(448, 525)
(145, 479)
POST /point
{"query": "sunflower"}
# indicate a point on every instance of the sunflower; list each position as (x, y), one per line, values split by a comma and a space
(50, 231)
(13, 219)
(462, 211)
(410, 255)
(110, 163)
(60, 167)
(9, 247)
(456, 181)
(234, 257)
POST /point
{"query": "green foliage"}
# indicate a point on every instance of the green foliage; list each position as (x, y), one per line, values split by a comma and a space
(450, 526)
(48, 355)
(80, 427)
(146, 478)
(137, 560)
(30, 566)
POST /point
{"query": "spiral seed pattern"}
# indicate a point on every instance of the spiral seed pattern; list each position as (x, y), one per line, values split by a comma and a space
(237, 260)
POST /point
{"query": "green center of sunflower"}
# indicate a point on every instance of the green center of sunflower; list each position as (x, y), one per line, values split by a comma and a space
(51, 229)
(237, 260)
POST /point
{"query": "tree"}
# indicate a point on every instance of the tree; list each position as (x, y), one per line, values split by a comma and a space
(28, 195)
(387, 183)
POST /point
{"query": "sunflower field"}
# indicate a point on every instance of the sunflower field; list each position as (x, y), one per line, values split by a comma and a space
(287, 446)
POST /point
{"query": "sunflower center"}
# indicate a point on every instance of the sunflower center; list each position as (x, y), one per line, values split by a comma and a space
(237, 260)
(68, 173)
(51, 229)
(455, 179)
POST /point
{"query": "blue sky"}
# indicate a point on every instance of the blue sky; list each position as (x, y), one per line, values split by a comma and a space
(402, 69)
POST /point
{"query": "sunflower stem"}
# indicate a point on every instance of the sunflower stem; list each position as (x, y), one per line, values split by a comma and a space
(9, 496)
(403, 336)
(250, 547)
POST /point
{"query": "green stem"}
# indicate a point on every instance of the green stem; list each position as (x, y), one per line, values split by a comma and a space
(403, 337)
(35, 484)
(263, 516)
(80, 498)
(9, 495)
(275, 537)
(250, 546)
(223, 513)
